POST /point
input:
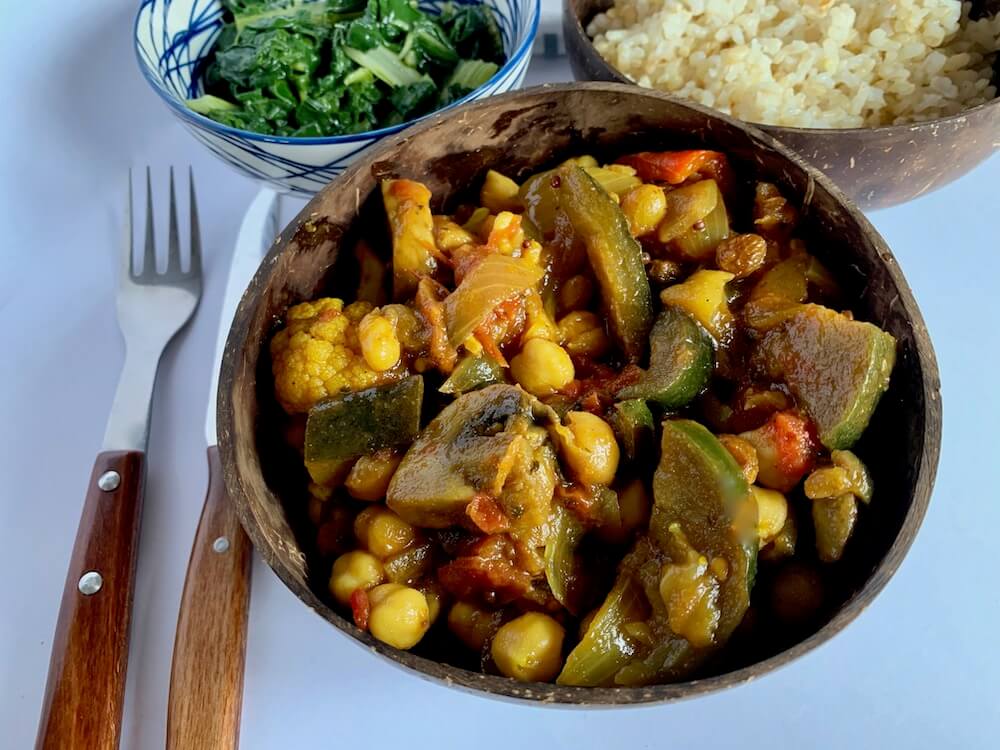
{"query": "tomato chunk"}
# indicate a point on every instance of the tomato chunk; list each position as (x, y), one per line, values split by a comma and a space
(786, 449)
(674, 167)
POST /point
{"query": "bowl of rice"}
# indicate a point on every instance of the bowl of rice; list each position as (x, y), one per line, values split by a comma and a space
(890, 99)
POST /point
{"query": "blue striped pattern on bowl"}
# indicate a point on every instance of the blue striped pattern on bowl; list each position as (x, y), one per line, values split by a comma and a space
(172, 37)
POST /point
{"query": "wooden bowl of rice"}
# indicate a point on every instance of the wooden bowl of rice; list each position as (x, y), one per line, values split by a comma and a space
(891, 100)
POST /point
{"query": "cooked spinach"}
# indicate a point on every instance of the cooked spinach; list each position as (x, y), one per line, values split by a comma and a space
(335, 67)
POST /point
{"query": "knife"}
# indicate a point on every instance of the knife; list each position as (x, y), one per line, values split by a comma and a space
(206, 676)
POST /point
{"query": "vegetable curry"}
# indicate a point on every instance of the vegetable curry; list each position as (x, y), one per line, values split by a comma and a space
(565, 429)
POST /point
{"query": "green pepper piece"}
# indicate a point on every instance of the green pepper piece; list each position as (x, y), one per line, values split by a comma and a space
(633, 424)
(473, 373)
(680, 362)
(561, 565)
(615, 257)
(606, 647)
(361, 422)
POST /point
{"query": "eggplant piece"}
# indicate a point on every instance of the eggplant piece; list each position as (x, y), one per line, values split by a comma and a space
(836, 367)
(699, 486)
(358, 423)
(484, 446)
(680, 362)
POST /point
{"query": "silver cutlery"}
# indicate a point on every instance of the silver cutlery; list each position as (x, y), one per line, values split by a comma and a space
(206, 677)
(85, 689)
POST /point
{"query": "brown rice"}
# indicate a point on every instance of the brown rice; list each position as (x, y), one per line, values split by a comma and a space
(807, 63)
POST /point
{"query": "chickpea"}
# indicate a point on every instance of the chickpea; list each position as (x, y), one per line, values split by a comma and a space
(472, 624)
(576, 293)
(772, 512)
(379, 345)
(382, 532)
(589, 448)
(542, 367)
(583, 334)
(529, 648)
(369, 478)
(352, 571)
(644, 207)
(399, 615)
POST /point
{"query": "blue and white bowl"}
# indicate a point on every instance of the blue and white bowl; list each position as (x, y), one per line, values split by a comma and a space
(173, 36)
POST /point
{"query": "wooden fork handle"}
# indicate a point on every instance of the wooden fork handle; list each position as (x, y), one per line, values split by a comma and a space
(82, 708)
(206, 677)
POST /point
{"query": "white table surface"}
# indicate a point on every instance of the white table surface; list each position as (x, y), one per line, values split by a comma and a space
(918, 669)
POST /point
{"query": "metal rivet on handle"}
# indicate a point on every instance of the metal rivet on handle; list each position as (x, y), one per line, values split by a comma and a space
(90, 583)
(109, 481)
(221, 545)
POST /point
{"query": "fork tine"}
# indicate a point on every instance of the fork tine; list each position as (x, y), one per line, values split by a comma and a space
(195, 268)
(149, 251)
(128, 261)
(173, 238)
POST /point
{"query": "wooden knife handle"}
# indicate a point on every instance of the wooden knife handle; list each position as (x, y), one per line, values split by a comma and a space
(82, 709)
(206, 677)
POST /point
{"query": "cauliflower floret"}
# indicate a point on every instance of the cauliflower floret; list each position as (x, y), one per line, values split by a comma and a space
(317, 354)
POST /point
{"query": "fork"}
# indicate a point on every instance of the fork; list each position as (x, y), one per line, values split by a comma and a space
(85, 690)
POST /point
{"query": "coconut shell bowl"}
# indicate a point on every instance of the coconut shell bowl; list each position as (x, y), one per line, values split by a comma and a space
(521, 133)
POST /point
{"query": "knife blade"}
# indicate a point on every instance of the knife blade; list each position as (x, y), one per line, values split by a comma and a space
(259, 228)
(206, 675)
